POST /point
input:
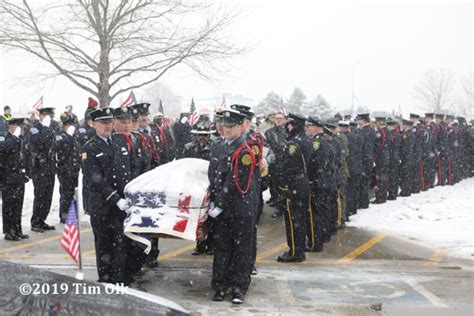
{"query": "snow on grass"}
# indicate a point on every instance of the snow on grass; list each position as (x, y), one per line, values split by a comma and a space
(441, 217)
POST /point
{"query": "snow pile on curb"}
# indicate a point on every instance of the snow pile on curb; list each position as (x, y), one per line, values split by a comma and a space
(441, 217)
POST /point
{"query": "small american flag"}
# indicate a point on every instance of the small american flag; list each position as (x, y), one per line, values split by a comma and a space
(39, 104)
(70, 241)
(194, 114)
(131, 100)
(223, 104)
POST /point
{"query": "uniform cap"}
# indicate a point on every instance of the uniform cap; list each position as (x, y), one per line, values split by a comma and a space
(203, 128)
(314, 120)
(244, 109)
(103, 114)
(232, 117)
(16, 121)
(363, 116)
(46, 111)
(122, 113)
(143, 108)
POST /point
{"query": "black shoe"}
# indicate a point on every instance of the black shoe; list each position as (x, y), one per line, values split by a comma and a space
(47, 227)
(237, 296)
(62, 221)
(254, 271)
(209, 252)
(152, 264)
(198, 252)
(37, 229)
(12, 237)
(318, 248)
(272, 204)
(22, 236)
(277, 214)
(218, 296)
(286, 257)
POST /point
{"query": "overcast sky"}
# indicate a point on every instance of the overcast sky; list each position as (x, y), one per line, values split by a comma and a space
(312, 45)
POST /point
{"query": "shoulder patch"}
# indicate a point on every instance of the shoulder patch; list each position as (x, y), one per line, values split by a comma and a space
(256, 149)
(58, 138)
(34, 130)
(2, 138)
(292, 149)
(84, 156)
(246, 159)
(81, 130)
(316, 145)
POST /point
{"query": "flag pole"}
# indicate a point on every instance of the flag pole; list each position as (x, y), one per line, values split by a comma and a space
(79, 273)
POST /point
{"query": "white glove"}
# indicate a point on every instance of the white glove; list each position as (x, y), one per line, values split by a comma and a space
(17, 132)
(70, 130)
(211, 205)
(46, 121)
(184, 120)
(215, 212)
(123, 205)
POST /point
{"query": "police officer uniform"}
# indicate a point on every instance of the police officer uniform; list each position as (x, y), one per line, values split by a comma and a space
(417, 167)
(406, 158)
(107, 169)
(196, 149)
(232, 194)
(42, 170)
(381, 160)
(68, 163)
(255, 140)
(367, 135)
(323, 184)
(393, 169)
(201, 150)
(296, 186)
(162, 137)
(430, 153)
(354, 163)
(12, 181)
(276, 139)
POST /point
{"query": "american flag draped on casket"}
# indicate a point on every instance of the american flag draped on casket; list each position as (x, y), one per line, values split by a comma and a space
(168, 201)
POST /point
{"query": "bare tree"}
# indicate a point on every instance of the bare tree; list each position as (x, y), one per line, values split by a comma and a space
(108, 47)
(465, 105)
(435, 89)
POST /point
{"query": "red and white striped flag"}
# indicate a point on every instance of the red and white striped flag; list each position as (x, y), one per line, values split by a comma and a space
(70, 241)
(194, 114)
(131, 100)
(39, 104)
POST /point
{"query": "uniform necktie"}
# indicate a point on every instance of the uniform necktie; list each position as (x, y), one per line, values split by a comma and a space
(109, 141)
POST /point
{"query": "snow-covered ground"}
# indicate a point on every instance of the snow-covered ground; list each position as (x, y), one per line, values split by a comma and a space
(442, 217)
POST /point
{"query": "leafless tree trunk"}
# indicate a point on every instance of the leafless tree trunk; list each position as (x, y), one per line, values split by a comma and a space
(108, 47)
(435, 89)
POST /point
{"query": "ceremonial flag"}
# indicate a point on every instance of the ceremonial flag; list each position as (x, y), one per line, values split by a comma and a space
(282, 108)
(194, 114)
(70, 241)
(39, 104)
(131, 100)
(223, 104)
(160, 108)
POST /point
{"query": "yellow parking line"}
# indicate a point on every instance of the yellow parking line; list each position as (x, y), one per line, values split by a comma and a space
(176, 252)
(37, 242)
(89, 252)
(272, 251)
(435, 259)
(361, 249)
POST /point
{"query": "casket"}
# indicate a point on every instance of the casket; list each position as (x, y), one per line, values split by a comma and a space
(169, 201)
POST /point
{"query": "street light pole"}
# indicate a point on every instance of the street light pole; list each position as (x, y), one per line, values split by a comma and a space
(353, 85)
